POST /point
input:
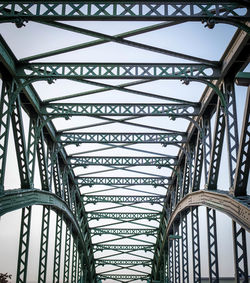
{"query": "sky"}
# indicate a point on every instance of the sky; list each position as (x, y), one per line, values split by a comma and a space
(189, 38)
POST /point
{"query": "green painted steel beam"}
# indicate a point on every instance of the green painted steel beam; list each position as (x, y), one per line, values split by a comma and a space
(121, 231)
(97, 109)
(122, 199)
(122, 161)
(123, 262)
(7, 57)
(131, 181)
(123, 215)
(117, 71)
(243, 79)
(123, 276)
(78, 138)
(124, 247)
(121, 10)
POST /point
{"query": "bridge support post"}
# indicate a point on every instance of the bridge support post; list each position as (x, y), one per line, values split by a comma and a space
(231, 128)
(196, 244)
(197, 163)
(212, 246)
(4, 129)
(176, 254)
(74, 261)
(42, 271)
(218, 138)
(242, 169)
(58, 244)
(67, 254)
(184, 234)
(240, 254)
(22, 263)
(239, 234)
(170, 262)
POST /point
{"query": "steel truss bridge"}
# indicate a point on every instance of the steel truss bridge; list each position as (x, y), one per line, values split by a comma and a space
(124, 221)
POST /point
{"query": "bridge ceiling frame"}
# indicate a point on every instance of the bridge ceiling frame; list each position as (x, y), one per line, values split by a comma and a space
(136, 233)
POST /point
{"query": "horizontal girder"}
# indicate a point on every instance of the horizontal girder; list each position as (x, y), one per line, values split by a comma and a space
(122, 161)
(124, 247)
(123, 215)
(123, 262)
(122, 10)
(133, 181)
(117, 70)
(122, 199)
(148, 232)
(123, 276)
(77, 138)
(96, 109)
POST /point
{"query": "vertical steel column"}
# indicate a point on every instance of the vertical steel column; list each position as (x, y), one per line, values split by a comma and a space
(22, 160)
(213, 266)
(4, 129)
(207, 145)
(22, 262)
(243, 161)
(74, 261)
(66, 189)
(186, 176)
(179, 183)
(162, 272)
(191, 150)
(173, 196)
(197, 163)
(20, 144)
(42, 271)
(219, 132)
(57, 177)
(176, 254)
(212, 246)
(240, 251)
(58, 244)
(196, 244)
(50, 162)
(166, 264)
(84, 274)
(67, 254)
(170, 261)
(231, 127)
(80, 268)
(184, 234)
(42, 160)
(73, 199)
(32, 147)
(240, 254)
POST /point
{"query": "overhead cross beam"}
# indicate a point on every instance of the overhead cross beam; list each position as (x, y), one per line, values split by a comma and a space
(78, 138)
(122, 161)
(124, 247)
(132, 181)
(123, 262)
(117, 71)
(97, 109)
(123, 215)
(119, 277)
(124, 10)
(123, 231)
(122, 199)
